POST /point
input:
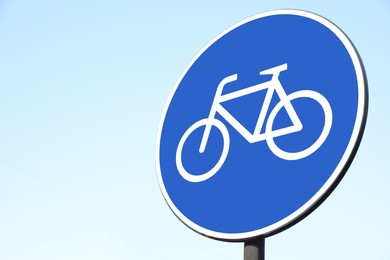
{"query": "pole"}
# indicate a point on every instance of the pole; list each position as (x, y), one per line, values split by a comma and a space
(255, 249)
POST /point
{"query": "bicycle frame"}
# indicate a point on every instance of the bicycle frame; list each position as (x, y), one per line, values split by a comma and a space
(274, 85)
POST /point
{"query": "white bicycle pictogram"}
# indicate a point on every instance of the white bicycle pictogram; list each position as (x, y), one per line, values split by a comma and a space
(272, 86)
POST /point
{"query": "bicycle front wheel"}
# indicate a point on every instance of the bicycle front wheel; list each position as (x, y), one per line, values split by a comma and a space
(328, 116)
(179, 152)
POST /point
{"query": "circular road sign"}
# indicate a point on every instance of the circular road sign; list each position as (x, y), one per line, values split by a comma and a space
(262, 125)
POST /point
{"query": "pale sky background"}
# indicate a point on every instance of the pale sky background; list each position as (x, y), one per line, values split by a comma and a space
(83, 85)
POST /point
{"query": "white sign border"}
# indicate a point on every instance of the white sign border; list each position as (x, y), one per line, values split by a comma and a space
(338, 173)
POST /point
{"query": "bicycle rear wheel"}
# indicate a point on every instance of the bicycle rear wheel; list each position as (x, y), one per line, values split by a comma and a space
(320, 140)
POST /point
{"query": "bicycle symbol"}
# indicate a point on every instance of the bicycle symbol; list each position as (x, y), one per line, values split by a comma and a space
(285, 101)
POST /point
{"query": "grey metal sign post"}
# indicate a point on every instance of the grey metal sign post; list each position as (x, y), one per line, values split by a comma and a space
(255, 249)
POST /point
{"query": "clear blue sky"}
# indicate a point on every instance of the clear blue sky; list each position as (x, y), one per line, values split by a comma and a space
(82, 89)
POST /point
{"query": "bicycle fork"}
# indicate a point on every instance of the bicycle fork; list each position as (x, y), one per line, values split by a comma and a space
(213, 111)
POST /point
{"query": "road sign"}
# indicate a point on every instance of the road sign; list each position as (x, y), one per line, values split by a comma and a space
(262, 125)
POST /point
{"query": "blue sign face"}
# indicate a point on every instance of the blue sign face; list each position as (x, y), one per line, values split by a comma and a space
(262, 125)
